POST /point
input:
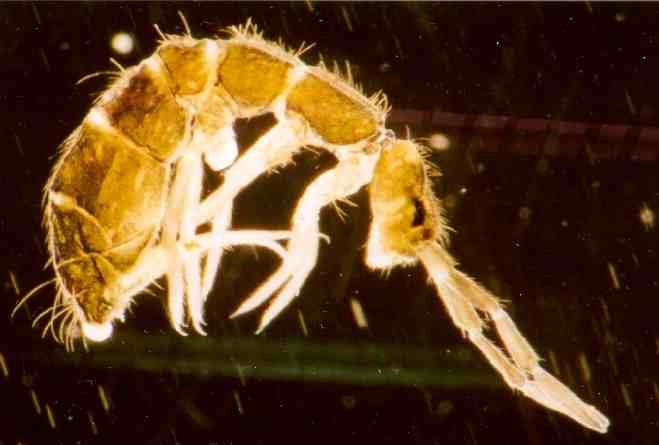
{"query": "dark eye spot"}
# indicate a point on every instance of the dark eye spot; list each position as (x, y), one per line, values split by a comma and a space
(419, 213)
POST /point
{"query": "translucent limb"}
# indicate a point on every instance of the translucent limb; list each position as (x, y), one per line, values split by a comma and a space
(154, 262)
(220, 151)
(158, 260)
(220, 224)
(175, 290)
(185, 276)
(462, 297)
(192, 169)
(274, 148)
(263, 238)
(349, 175)
(184, 194)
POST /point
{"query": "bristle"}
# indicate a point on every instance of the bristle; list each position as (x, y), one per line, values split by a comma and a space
(186, 25)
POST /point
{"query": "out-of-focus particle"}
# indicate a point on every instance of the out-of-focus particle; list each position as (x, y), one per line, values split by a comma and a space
(611, 354)
(605, 311)
(349, 401)
(19, 145)
(37, 16)
(44, 59)
(449, 201)
(92, 423)
(630, 103)
(542, 168)
(303, 324)
(439, 142)
(122, 43)
(14, 283)
(614, 276)
(35, 401)
(554, 363)
(3, 366)
(241, 374)
(104, 399)
(239, 403)
(51, 417)
(525, 213)
(585, 367)
(626, 396)
(346, 18)
(358, 314)
(646, 215)
(444, 408)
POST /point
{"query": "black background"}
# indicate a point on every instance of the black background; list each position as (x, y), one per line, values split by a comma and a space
(543, 231)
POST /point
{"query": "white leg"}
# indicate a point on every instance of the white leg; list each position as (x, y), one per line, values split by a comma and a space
(294, 285)
(176, 293)
(219, 225)
(168, 259)
(185, 200)
(193, 299)
(178, 225)
(154, 262)
(220, 151)
(462, 297)
(215, 242)
(263, 238)
(192, 169)
(274, 148)
(349, 175)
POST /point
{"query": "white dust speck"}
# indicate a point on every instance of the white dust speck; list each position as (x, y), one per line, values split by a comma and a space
(122, 43)
(439, 141)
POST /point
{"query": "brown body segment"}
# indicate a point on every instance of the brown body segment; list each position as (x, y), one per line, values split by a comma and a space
(403, 207)
(255, 77)
(336, 117)
(251, 76)
(186, 65)
(146, 110)
(114, 196)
